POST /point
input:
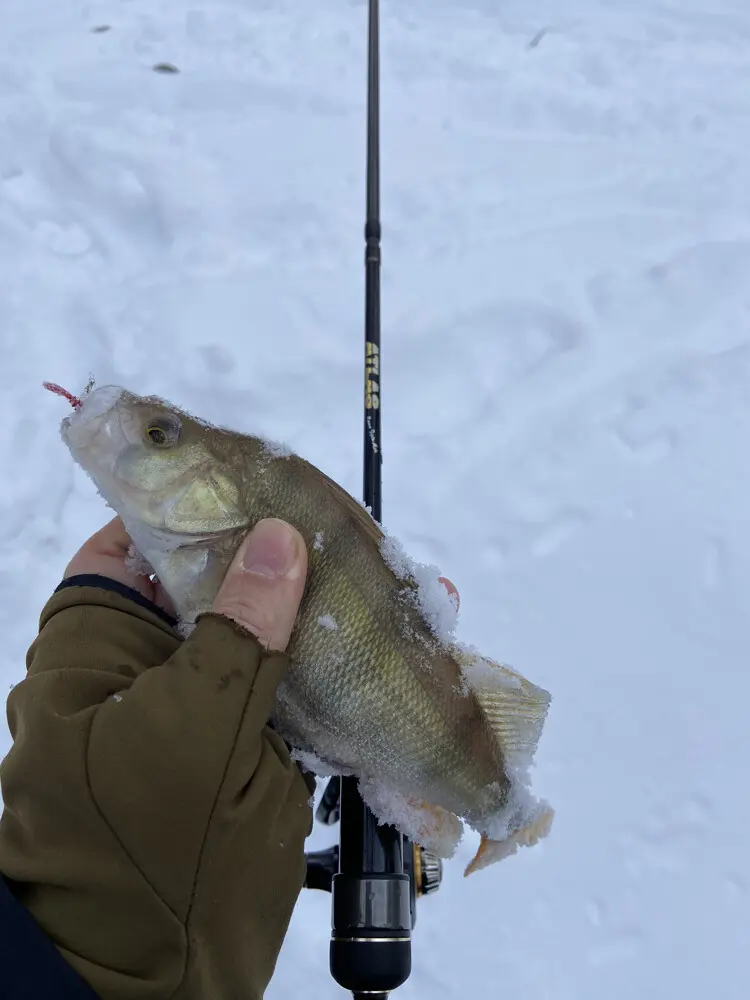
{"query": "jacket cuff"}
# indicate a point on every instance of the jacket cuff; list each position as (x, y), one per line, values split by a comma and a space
(90, 590)
(115, 587)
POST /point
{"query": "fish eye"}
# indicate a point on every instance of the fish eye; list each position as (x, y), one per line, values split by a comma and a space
(161, 434)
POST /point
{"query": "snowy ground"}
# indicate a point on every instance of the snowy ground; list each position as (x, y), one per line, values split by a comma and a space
(566, 203)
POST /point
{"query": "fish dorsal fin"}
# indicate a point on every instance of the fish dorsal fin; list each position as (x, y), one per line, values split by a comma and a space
(359, 514)
(371, 530)
(515, 708)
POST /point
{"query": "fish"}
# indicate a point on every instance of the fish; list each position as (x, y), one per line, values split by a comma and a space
(437, 735)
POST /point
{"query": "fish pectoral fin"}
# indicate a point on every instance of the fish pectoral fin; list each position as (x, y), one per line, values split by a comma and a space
(515, 708)
(208, 504)
(491, 851)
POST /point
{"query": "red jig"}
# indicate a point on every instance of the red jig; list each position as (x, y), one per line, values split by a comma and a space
(74, 401)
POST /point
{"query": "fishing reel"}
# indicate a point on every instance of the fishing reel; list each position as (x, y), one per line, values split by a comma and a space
(424, 868)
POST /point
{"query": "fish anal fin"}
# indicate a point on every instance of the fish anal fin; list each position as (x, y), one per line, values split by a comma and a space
(437, 825)
(492, 851)
(429, 825)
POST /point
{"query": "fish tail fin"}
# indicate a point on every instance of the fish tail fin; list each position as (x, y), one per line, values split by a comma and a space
(490, 851)
(515, 709)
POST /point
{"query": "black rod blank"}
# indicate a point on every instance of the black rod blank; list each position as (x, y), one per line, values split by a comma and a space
(371, 918)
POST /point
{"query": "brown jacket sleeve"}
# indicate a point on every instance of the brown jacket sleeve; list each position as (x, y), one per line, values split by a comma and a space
(153, 825)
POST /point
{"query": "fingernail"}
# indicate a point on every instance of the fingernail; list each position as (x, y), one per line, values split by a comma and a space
(271, 549)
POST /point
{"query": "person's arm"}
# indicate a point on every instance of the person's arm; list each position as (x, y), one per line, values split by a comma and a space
(154, 825)
(31, 967)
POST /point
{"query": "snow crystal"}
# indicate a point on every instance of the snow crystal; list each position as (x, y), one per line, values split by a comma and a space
(318, 543)
(329, 622)
(277, 449)
(439, 607)
(311, 762)
(430, 826)
(479, 672)
(368, 508)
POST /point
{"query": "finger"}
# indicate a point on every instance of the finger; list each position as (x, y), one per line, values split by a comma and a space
(105, 554)
(111, 540)
(263, 587)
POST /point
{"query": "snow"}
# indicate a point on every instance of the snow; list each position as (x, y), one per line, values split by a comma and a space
(277, 449)
(436, 829)
(565, 371)
(316, 765)
(438, 606)
(328, 622)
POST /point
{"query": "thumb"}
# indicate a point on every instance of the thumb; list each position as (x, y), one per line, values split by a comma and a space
(263, 587)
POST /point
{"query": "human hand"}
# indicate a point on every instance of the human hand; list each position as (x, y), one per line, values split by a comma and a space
(108, 553)
(263, 586)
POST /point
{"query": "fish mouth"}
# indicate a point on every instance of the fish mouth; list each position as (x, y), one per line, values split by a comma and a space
(86, 421)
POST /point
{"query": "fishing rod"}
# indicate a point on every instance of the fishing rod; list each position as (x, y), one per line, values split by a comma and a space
(371, 908)
(375, 873)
